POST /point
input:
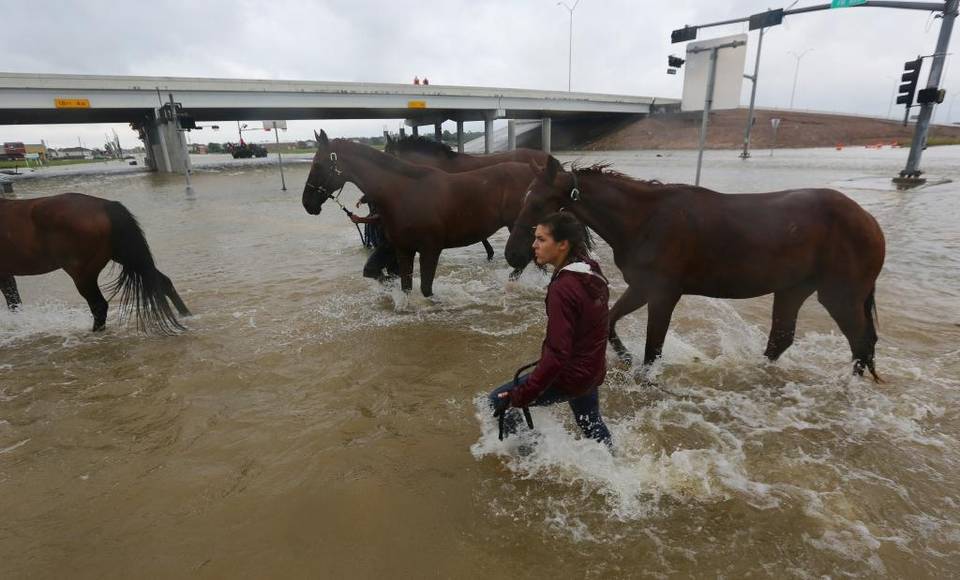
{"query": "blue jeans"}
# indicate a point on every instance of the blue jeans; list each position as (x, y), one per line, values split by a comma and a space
(586, 410)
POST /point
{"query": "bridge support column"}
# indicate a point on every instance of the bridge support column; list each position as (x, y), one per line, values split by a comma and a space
(166, 149)
(438, 132)
(459, 136)
(546, 124)
(415, 131)
(511, 135)
(488, 135)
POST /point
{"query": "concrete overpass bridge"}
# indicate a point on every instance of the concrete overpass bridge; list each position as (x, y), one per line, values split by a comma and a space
(144, 102)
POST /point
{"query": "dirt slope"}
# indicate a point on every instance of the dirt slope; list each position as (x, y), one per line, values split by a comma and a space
(797, 129)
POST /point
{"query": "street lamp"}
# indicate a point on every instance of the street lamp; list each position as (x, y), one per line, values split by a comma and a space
(570, 57)
(796, 72)
(950, 108)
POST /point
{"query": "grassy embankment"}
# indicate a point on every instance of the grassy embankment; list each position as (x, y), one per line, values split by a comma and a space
(52, 163)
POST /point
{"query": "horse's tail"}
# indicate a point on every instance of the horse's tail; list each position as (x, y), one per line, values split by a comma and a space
(139, 284)
(873, 323)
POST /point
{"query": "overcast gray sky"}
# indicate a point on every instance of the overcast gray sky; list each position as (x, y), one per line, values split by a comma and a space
(619, 46)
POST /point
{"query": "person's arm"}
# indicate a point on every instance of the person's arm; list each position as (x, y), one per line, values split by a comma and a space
(563, 309)
(370, 219)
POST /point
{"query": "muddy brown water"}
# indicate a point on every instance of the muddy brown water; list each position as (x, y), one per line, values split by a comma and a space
(311, 423)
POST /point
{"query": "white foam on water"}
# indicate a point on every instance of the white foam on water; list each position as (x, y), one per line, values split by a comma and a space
(59, 319)
(696, 437)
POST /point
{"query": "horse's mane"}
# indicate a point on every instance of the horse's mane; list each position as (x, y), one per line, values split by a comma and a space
(602, 169)
(423, 145)
(389, 161)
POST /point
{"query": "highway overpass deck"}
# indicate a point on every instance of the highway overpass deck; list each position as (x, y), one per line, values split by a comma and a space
(57, 98)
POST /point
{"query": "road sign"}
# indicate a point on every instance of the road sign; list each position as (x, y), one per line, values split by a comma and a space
(846, 3)
(71, 103)
(775, 122)
(728, 78)
(267, 125)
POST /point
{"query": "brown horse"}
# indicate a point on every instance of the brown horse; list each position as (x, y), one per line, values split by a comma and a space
(423, 209)
(671, 240)
(80, 234)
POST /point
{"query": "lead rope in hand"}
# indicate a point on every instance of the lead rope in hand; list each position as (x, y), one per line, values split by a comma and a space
(336, 199)
(526, 410)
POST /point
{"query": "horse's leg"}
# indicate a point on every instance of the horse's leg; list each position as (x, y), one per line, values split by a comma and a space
(428, 269)
(172, 294)
(488, 248)
(86, 283)
(786, 305)
(852, 313)
(8, 285)
(659, 312)
(631, 300)
(405, 260)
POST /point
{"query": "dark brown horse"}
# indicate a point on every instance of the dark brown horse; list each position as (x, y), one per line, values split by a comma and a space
(423, 209)
(671, 240)
(424, 151)
(80, 234)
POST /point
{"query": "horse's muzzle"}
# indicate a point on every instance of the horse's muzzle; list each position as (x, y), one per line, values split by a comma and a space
(311, 205)
(518, 259)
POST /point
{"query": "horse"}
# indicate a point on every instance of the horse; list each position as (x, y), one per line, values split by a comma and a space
(80, 234)
(673, 239)
(423, 209)
(423, 151)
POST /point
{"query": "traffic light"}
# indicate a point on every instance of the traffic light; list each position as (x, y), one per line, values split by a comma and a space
(683, 34)
(766, 19)
(911, 74)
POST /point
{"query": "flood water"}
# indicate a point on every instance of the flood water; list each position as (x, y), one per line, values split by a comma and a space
(311, 423)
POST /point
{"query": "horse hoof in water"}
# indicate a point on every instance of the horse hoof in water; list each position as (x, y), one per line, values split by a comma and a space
(642, 376)
(515, 275)
(624, 361)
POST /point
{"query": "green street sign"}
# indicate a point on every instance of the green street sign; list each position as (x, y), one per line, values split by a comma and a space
(846, 3)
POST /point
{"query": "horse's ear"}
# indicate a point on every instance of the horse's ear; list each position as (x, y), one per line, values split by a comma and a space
(322, 138)
(553, 168)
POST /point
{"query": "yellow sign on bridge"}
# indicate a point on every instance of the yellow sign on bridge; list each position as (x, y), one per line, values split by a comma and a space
(416, 104)
(72, 103)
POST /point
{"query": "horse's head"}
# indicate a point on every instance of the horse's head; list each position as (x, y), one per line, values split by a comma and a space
(325, 175)
(549, 191)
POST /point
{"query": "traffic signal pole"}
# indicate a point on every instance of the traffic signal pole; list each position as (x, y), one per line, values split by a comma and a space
(753, 98)
(911, 173)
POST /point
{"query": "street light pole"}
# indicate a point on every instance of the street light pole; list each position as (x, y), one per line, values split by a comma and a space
(950, 108)
(570, 52)
(796, 73)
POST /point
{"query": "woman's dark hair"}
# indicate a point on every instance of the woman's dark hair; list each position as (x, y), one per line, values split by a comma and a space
(565, 227)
